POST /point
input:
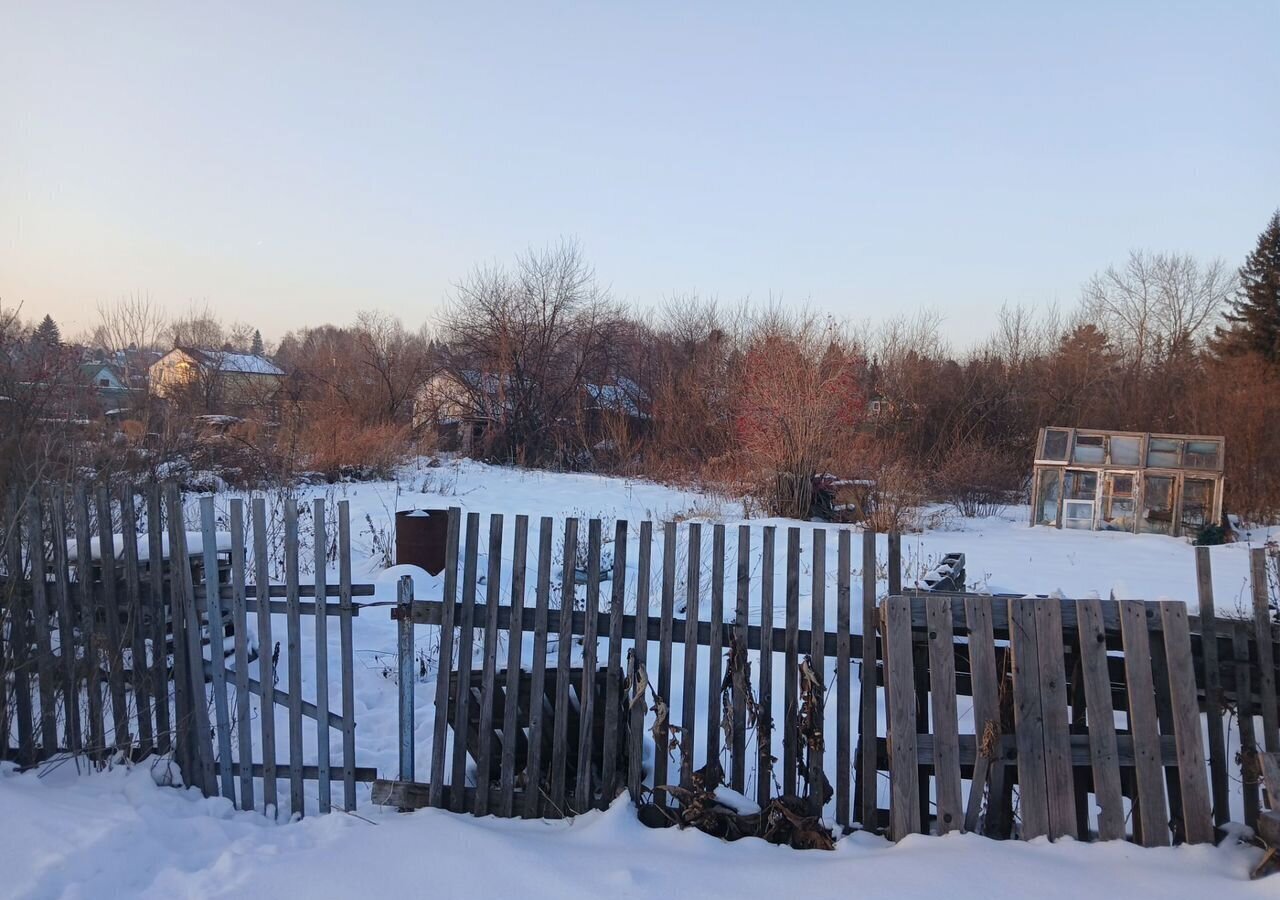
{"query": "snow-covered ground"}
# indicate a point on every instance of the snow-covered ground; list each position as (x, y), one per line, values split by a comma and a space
(117, 833)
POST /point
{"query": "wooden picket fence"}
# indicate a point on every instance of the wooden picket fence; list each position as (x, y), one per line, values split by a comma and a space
(122, 642)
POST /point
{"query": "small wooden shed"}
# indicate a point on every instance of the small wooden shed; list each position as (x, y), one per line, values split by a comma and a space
(1140, 482)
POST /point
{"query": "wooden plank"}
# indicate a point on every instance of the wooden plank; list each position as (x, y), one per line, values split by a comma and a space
(320, 549)
(240, 620)
(844, 563)
(93, 639)
(560, 726)
(1028, 719)
(537, 689)
(613, 691)
(266, 670)
(986, 718)
(466, 640)
(293, 637)
(115, 645)
(348, 658)
(159, 619)
(440, 731)
(1059, 780)
(40, 628)
(511, 689)
(187, 631)
(715, 651)
(764, 663)
(217, 638)
(483, 753)
(1102, 724)
(1266, 652)
(900, 705)
(67, 643)
(19, 664)
(1197, 816)
(689, 698)
(1244, 718)
(662, 723)
(894, 542)
(136, 635)
(1143, 724)
(184, 748)
(583, 794)
(791, 666)
(868, 778)
(816, 741)
(1164, 719)
(637, 701)
(946, 729)
(1212, 675)
(741, 681)
(407, 688)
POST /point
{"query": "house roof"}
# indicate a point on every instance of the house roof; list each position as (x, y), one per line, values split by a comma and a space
(229, 361)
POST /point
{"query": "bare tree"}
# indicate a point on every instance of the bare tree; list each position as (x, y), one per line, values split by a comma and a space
(134, 322)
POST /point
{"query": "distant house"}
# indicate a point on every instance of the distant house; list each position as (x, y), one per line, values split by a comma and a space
(215, 378)
(108, 385)
(460, 408)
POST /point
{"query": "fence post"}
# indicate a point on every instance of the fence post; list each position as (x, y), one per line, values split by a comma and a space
(404, 612)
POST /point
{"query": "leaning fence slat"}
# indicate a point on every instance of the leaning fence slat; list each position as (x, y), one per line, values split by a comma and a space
(662, 723)
(582, 795)
(111, 622)
(1059, 782)
(689, 698)
(1197, 817)
(1212, 689)
(1102, 723)
(40, 622)
(1143, 724)
(141, 673)
(320, 547)
(462, 688)
(560, 725)
(989, 771)
(488, 671)
(715, 649)
(159, 619)
(93, 638)
(900, 704)
(217, 639)
(66, 624)
(348, 658)
(867, 723)
(815, 740)
(293, 621)
(613, 699)
(1028, 713)
(19, 646)
(1244, 719)
(791, 666)
(636, 700)
(740, 683)
(511, 733)
(266, 665)
(764, 722)
(184, 747)
(537, 686)
(440, 732)
(1266, 651)
(946, 734)
(240, 623)
(844, 562)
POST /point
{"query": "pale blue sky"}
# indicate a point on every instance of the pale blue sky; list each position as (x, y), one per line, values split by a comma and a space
(292, 163)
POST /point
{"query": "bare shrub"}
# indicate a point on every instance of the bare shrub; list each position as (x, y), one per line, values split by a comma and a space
(976, 479)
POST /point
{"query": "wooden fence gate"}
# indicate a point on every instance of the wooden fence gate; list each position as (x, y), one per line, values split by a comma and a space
(127, 635)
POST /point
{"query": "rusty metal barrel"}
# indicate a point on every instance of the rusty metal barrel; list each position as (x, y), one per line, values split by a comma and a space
(421, 535)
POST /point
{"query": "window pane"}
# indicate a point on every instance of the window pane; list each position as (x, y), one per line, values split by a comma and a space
(1055, 444)
(1118, 507)
(1164, 452)
(1090, 448)
(1157, 505)
(1197, 505)
(1050, 491)
(1082, 485)
(1202, 454)
(1126, 451)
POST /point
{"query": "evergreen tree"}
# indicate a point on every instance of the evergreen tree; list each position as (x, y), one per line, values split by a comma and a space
(1254, 314)
(257, 348)
(47, 333)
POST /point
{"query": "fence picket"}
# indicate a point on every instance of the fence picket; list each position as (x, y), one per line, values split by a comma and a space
(1102, 724)
(217, 643)
(1142, 723)
(844, 554)
(159, 619)
(740, 676)
(900, 705)
(483, 753)
(93, 640)
(613, 686)
(40, 624)
(764, 723)
(512, 734)
(440, 732)
(582, 795)
(320, 548)
(462, 689)
(689, 696)
(989, 771)
(240, 624)
(715, 649)
(636, 700)
(67, 643)
(1211, 668)
(942, 692)
(1196, 815)
(791, 670)
(348, 658)
(560, 725)
(815, 740)
(867, 724)
(1244, 718)
(1028, 713)
(537, 686)
(143, 685)
(266, 664)
(662, 724)
(293, 637)
(1266, 651)
(19, 662)
(114, 649)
